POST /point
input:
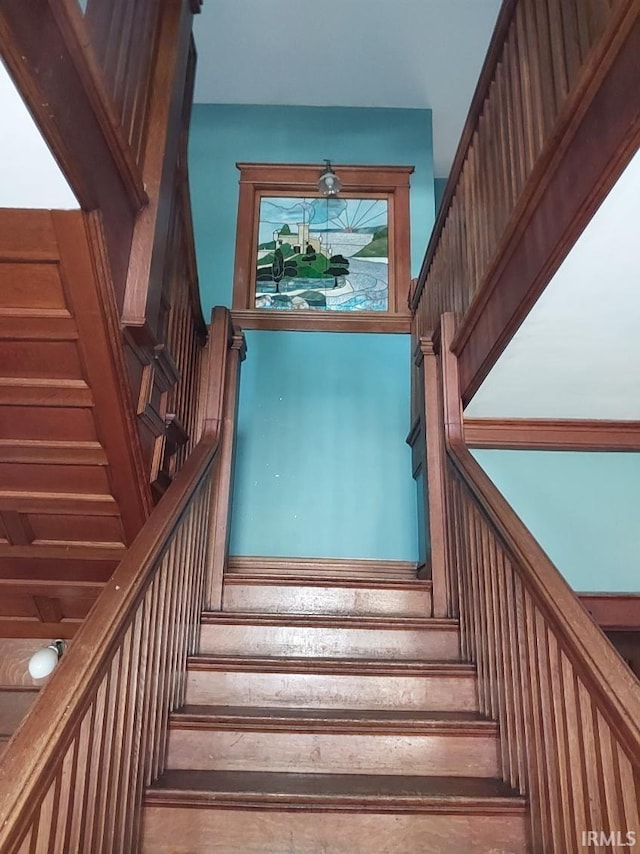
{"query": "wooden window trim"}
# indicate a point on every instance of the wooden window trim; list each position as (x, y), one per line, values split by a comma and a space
(263, 179)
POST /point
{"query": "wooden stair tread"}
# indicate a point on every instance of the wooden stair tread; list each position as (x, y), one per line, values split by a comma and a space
(374, 622)
(242, 578)
(357, 792)
(326, 567)
(340, 666)
(193, 716)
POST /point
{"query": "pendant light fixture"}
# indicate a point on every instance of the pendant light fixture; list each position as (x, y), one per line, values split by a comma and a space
(328, 183)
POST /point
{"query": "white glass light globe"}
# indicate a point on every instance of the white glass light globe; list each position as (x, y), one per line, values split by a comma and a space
(43, 662)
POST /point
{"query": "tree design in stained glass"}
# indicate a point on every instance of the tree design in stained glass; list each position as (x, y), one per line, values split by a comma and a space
(330, 254)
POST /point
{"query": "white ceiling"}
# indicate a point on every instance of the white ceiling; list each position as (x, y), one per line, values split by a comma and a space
(577, 354)
(348, 53)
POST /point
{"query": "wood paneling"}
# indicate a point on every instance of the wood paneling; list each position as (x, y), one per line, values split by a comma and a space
(72, 485)
(552, 435)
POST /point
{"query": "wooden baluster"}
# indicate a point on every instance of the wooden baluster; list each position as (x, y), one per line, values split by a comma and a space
(516, 686)
(45, 827)
(167, 628)
(90, 803)
(503, 664)
(558, 713)
(539, 746)
(136, 692)
(574, 744)
(158, 594)
(83, 753)
(61, 785)
(546, 712)
(629, 786)
(523, 91)
(593, 780)
(142, 703)
(558, 59)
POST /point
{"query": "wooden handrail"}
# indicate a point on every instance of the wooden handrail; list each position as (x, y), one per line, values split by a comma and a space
(75, 770)
(568, 707)
(557, 88)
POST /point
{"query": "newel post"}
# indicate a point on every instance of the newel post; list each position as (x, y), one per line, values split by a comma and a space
(435, 484)
(227, 350)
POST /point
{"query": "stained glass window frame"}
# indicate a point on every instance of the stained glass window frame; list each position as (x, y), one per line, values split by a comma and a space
(259, 181)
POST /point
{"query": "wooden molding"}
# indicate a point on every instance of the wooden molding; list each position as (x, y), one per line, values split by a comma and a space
(321, 321)
(257, 179)
(597, 133)
(616, 612)
(552, 434)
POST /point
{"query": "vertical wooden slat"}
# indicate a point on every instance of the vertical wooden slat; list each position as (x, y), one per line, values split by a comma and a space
(130, 669)
(593, 787)
(575, 745)
(612, 794)
(46, 827)
(559, 699)
(539, 744)
(515, 747)
(83, 754)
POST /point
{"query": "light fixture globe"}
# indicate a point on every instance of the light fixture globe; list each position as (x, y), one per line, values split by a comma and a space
(43, 662)
(328, 183)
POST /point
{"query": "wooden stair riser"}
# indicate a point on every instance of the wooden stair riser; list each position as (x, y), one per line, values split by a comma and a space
(392, 601)
(452, 753)
(333, 690)
(440, 644)
(168, 830)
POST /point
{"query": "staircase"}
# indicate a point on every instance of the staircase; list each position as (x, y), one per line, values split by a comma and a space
(329, 714)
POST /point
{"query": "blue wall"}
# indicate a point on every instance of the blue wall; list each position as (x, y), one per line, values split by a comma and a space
(322, 468)
(581, 507)
(222, 135)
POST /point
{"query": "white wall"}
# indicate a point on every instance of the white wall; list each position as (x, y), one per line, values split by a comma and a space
(577, 354)
(29, 175)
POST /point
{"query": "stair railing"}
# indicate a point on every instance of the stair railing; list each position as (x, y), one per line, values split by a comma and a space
(551, 94)
(567, 705)
(75, 771)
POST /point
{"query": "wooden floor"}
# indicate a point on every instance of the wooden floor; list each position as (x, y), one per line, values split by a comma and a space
(353, 729)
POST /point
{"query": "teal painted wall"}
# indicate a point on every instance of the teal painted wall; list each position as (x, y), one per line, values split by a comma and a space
(583, 508)
(222, 135)
(322, 468)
